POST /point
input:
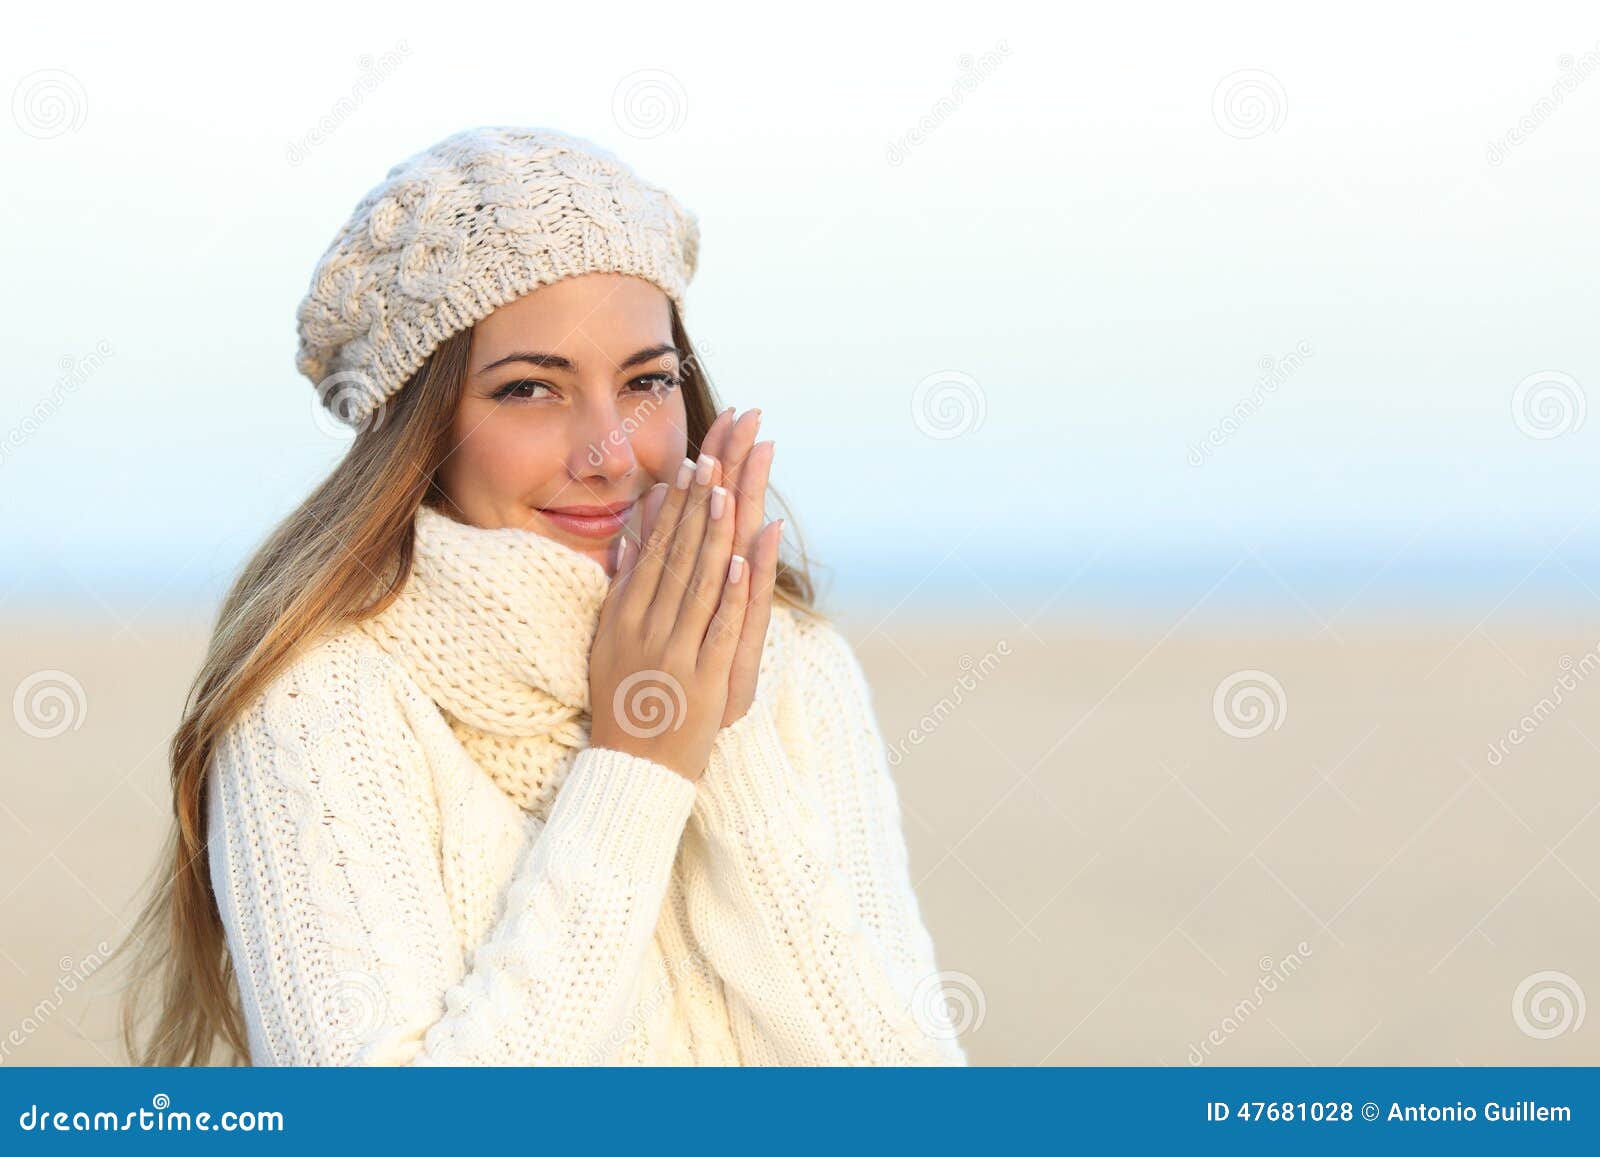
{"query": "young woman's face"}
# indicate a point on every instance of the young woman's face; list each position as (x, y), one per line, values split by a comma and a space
(569, 409)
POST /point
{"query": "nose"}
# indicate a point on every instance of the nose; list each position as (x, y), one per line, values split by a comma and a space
(602, 449)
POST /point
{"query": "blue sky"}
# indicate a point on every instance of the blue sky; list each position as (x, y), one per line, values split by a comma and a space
(987, 363)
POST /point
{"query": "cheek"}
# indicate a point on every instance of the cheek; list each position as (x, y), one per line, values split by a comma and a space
(500, 455)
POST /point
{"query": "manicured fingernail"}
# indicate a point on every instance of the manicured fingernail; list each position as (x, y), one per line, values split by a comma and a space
(702, 472)
(735, 570)
(685, 472)
(622, 550)
(719, 501)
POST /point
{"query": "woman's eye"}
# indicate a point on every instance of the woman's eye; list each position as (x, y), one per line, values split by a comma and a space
(649, 383)
(518, 389)
(661, 382)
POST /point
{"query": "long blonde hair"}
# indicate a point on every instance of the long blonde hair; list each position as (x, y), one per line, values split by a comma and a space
(341, 556)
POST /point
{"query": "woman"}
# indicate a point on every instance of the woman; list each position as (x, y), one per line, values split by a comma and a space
(516, 743)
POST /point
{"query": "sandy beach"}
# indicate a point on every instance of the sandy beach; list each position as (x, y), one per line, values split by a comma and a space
(1218, 844)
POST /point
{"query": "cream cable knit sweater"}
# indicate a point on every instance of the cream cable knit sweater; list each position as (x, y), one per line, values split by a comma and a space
(419, 860)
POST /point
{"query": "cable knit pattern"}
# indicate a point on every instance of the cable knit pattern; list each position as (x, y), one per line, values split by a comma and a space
(418, 859)
(459, 229)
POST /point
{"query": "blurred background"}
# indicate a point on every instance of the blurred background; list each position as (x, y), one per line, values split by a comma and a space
(1185, 412)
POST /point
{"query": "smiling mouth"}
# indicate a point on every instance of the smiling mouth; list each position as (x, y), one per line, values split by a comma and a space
(590, 521)
(615, 508)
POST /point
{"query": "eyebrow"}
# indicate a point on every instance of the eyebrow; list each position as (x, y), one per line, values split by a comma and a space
(557, 362)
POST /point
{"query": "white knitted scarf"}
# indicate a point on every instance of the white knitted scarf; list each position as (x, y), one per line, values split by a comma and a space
(496, 626)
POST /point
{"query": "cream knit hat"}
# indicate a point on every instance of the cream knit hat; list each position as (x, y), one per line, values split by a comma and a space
(463, 227)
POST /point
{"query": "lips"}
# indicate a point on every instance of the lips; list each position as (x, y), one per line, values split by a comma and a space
(590, 521)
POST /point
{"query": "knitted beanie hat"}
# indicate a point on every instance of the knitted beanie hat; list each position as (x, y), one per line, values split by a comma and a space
(479, 219)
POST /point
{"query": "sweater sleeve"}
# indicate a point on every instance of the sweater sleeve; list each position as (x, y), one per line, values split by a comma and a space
(325, 860)
(800, 892)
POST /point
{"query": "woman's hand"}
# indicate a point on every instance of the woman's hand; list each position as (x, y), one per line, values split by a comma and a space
(747, 465)
(669, 629)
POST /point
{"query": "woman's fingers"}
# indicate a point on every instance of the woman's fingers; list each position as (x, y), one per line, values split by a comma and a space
(715, 441)
(680, 574)
(678, 565)
(736, 470)
(645, 572)
(721, 644)
(757, 613)
(750, 489)
(651, 508)
(704, 594)
(634, 531)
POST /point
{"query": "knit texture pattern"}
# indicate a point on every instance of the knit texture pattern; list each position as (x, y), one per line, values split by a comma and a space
(459, 229)
(419, 860)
